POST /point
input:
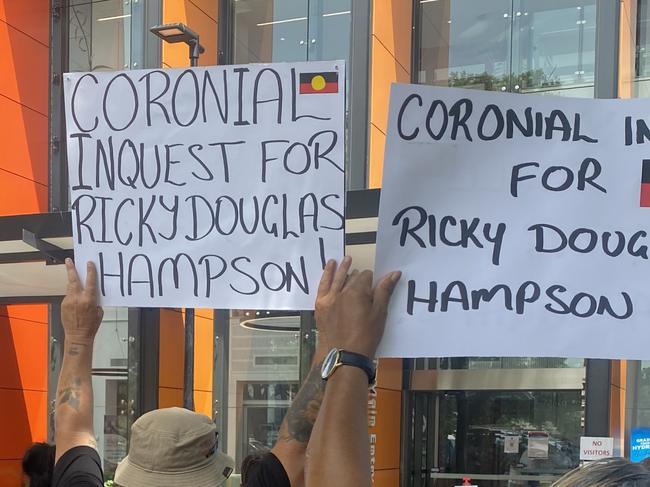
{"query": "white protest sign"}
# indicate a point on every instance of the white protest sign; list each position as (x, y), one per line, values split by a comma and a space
(216, 187)
(520, 224)
(596, 447)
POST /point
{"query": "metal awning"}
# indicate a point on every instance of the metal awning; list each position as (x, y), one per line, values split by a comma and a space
(33, 247)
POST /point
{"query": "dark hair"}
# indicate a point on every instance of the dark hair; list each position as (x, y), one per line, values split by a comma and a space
(38, 464)
(249, 462)
(611, 472)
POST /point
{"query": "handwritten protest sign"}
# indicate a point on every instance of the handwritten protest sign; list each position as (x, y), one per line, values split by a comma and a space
(215, 187)
(521, 224)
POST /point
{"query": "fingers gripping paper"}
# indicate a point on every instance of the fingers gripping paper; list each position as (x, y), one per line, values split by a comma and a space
(521, 224)
(211, 187)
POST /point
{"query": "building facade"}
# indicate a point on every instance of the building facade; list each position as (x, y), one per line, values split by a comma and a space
(432, 421)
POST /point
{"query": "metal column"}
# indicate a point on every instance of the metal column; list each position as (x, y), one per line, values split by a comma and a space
(221, 361)
(359, 72)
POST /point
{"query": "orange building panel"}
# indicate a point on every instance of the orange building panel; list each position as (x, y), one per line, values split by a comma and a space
(31, 17)
(172, 352)
(23, 360)
(203, 402)
(200, 21)
(387, 429)
(24, 65)
(23, 141)
(391, 26)
(28, 312)
(24, 415)
(203, 351)
(19, 195)
(385, 71)
(376, 157)
(168, 397)
(386, 478)
(10, 472)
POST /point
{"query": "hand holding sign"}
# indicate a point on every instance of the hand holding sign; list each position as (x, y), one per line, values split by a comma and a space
(350, 310)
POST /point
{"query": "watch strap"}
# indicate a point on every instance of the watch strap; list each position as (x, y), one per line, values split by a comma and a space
(360, 361)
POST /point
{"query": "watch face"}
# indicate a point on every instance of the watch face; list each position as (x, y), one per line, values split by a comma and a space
(329, 363)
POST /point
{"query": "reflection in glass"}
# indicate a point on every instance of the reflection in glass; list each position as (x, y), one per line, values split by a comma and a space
(643, 39)
(99, 35)
(474, 425)
(499, 363)
(112, 407)
(554, 43)
(291, 30)
(509, 45)
(642, 51)
(263, 378)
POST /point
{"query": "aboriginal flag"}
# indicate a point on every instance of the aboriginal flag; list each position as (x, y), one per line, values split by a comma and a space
(645, 184)
(314, 83)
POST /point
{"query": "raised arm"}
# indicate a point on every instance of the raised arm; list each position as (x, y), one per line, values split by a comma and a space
(298, 423)
(339, 450)
(81, 317)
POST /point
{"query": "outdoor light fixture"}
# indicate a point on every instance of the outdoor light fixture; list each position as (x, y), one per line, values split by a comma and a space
(174, 33)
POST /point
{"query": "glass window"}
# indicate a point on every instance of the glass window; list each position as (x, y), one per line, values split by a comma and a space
(498, 363)
(264, 371)
(509, 45)
(270, 31)
(554, 46)
(267, 31)
(112, 407)
(503, 438)
(465, 43)
(642, 51)
(473, 427)
(99, 35)
(643, 39)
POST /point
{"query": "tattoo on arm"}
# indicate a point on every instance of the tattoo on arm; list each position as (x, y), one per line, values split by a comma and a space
(302, 414)
(70, 394)
(75, 348)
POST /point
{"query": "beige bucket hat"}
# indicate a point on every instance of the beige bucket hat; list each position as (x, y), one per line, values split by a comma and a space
(173, 447)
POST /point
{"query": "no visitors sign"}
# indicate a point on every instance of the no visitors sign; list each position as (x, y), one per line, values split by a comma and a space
(595, 448)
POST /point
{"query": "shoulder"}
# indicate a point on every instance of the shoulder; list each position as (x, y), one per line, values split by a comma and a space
(79, 467)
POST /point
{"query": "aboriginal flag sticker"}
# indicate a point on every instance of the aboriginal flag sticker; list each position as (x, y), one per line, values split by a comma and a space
(645, 184)
(317, 83)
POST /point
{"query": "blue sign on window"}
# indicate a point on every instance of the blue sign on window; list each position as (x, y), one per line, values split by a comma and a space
(640, 444)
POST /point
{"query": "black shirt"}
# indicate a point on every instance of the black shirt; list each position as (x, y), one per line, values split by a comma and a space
(267, 472)
(78, 467)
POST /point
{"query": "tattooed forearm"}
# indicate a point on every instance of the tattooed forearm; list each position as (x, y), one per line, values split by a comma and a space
(76, 348)
(70, 394)
(302, 414)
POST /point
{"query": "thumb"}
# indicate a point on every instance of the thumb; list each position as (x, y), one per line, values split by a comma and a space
(383, 291)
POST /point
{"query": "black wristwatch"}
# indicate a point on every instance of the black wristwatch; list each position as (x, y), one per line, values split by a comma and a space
(335, 358)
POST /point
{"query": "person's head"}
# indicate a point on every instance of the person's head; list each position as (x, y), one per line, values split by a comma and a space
(250, 463)
(173, 447)
(610, 472)
(38, 464)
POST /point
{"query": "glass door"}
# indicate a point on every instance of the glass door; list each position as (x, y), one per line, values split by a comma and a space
(554, 47)
(495, 438)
